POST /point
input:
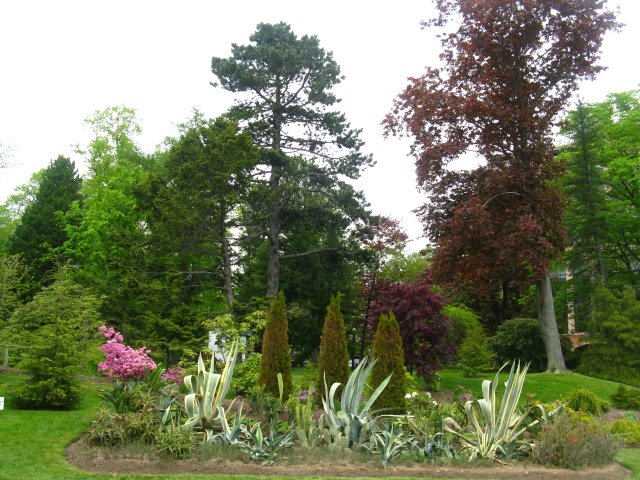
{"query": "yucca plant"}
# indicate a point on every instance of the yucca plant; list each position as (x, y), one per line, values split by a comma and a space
(494, 431)
(207, 390)
(352, 419)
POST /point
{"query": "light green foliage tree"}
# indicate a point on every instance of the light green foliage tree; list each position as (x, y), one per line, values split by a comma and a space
(614, 339)
(405, 268)
(13, 280)
(57, 326)
(40, 233)
(333, 361)
(286, 83)
(389, 356)
(468, 335)
(276, 356)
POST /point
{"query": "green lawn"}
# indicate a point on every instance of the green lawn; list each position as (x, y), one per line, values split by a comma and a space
(32, 442)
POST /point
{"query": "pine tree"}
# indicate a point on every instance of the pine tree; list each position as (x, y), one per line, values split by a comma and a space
(387, 350)
(276, 357)
(333, 361)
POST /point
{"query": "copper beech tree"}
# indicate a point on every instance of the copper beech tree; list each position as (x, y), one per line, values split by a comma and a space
(508, 69)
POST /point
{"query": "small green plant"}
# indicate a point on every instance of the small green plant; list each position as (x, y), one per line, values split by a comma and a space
(246, 374)
(174, 443)
(389, 442)
(628, 431)
(264, 448)
(626, 398)
(584, 400)
(301, 411)
(567, 442)
(112, 429)
(474, 355)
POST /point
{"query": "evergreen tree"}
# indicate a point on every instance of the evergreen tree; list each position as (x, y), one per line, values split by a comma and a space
(387, 350)
(276, 357)
(333, 361)
(41, 230)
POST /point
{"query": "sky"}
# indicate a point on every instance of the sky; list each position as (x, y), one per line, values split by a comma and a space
(63, 60)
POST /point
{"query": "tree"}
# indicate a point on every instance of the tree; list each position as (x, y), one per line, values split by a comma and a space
(40, 233)
(333, 361)
(288, 82)
(276, 357)
(13, 280)
(509, 67)
(387, 350)
(423, 327)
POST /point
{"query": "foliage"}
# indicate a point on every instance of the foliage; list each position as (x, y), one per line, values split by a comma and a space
(174, 443)
(352, 420)
(520, 338)
(264, 449)
(569, 443)
(206, 391)
(585, 400)
(13, 280)
(56, 327)
(286, 85)
(388, 442)
(627, 398)
(41, 230)
(474, 355)
(614, 333)
(121, 361)
(463, 322)
(111, 429)
(246, 374)
(276, 357)
(627, 431)
(308, 432)
(423, 328)
(333, 360)
(387, 350)
(495, 431)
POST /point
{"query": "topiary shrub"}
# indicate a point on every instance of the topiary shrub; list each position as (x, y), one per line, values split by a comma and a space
(583, 400)
(276, 356)
(614, 329)
(387, 350)
(333, 360)
(626, 398)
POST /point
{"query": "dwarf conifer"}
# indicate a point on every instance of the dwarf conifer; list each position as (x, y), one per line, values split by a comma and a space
(387, 349)
(333, 361)
(276, 357)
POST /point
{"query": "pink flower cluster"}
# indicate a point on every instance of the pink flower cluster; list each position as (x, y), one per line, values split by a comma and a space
(121, 361)
(173, 375)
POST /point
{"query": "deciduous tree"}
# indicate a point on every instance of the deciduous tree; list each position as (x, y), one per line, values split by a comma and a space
(508, 68)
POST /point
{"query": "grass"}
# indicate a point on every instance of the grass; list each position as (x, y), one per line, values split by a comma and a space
(37, 438)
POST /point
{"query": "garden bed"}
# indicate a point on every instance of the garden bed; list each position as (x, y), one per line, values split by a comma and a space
(114, 461)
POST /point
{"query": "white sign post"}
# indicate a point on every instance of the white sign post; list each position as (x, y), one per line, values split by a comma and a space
(1, 403)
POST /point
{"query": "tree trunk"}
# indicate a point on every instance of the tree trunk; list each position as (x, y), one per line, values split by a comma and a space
(273, 270)
(548, 325)
(226, 259)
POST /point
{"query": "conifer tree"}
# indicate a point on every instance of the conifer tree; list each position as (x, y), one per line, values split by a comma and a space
(333, 361)
(387, 349)
(276, 357)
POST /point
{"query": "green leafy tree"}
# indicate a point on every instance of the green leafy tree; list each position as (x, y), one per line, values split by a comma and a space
(57, 326)
(40, 233)
(276, 356)
(13, 280)
(287, 86)
(614, 338)
(333, 361)
(387, 350)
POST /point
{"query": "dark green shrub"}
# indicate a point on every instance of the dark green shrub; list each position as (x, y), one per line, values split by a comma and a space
(567, 442)
(246, 374)
(276, 356)
(520, 339)
(387, 350)
(174, 443)
(584, 400)
(333, 360)
(614, 329)
(626, 398)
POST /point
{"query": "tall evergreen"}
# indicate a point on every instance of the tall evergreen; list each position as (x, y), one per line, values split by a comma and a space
(387, 350)
(276, 357)
(333, 362)
(41, 230)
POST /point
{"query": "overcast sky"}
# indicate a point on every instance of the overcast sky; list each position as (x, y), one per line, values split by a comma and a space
(62, 60)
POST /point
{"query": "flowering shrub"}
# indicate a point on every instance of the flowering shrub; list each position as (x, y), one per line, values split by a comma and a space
(121, 361)
(173, 375)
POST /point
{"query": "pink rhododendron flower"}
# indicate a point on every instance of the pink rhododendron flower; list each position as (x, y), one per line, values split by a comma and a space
(121, 361)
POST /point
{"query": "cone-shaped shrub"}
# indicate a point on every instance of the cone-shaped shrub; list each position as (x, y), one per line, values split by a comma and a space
(387, 349)
(333, 361)
(276, 357)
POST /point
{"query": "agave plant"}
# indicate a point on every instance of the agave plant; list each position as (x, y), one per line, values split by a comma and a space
(352, 419)
(494, 431)
(207, 390)
(389, 442)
